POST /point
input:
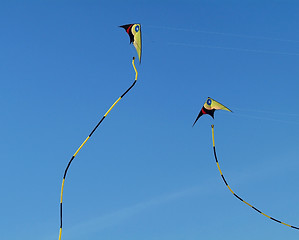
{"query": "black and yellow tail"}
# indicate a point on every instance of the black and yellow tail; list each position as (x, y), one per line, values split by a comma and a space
(236, 194)
(72, 158)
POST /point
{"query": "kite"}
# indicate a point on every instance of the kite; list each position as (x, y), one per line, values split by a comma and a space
(134, 32)
(209, 108)
(225, 182)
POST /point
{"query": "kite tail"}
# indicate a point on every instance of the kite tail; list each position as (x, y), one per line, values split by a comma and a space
(65, 172)
(214, 148)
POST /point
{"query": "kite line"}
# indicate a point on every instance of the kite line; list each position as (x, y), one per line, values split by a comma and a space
(214, 148)
(72, 158)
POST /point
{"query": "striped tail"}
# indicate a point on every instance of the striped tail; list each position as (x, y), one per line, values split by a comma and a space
(72, 158)
(225, 182)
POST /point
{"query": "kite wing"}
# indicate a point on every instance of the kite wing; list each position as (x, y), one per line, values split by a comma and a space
(134, 32)
(209, 108)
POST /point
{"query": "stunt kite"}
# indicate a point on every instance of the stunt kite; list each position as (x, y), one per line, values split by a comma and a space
(209, 108)
(134, 32)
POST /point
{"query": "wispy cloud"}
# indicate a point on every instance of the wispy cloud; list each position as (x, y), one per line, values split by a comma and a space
(121, 215)
(232, 48)
(117, 217)
(225, 34)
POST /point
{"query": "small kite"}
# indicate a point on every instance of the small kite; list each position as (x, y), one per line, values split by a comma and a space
(134, 32)
(225, 182)
(137, 44)
(209, 108)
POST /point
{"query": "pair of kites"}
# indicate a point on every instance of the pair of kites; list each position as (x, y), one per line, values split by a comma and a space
(210, 106)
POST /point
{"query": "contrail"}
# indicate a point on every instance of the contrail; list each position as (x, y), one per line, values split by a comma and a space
(225, 34)
(232, 48)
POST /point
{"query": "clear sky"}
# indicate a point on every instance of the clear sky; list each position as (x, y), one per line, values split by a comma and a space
(146, 173)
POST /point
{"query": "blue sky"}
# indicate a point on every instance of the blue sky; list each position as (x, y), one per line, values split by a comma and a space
(146, 173)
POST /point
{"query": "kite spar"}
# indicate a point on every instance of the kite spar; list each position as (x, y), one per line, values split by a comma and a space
(72, 158)
(225, 182)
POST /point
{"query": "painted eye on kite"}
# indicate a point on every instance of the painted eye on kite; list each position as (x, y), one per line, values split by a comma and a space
(137, 28)
(209, 101)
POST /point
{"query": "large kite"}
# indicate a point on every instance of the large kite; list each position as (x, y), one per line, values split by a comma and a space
(209, 108)
(138, 36)
(134, 32)
(225, 182)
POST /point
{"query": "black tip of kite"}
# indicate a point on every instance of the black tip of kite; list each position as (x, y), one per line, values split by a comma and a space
(194, 122)
(126, 26)
(133, 58)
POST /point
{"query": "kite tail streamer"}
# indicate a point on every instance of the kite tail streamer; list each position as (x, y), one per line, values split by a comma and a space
(237, 195)
(65, 172)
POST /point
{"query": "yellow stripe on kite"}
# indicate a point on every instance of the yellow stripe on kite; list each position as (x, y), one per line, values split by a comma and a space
(81, 146)
(60, 233)
(136, 75)
(219, 168)
(62, 190)
(230, 189)
(213, 135)
(112, 106)
(265, 215)
(247, 203)
(285, 224)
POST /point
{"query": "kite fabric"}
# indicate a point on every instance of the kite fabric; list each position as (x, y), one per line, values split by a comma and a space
(209, 108)
(72, 158)
(134, 32)
(225, 182)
